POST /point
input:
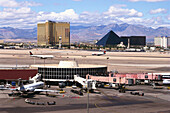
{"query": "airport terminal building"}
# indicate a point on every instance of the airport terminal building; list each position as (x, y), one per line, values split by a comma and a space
(65, 71)
(10, 74)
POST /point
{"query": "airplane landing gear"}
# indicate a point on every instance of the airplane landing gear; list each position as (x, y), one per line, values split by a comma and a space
(122, 89)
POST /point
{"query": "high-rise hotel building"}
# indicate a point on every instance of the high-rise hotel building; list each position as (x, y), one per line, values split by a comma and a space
(162, 41)
(53, 33)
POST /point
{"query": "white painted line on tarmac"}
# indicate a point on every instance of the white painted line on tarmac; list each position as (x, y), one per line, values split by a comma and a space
(143, 65)
(12, 65)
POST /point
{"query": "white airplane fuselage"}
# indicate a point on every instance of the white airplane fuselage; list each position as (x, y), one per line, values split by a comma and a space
(42, 56)
(99, 54)
(31, 87)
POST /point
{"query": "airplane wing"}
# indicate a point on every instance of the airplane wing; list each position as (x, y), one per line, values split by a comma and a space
(43, 56)
(12, 89)
(97, 54)
(4, 88)
(46, 90)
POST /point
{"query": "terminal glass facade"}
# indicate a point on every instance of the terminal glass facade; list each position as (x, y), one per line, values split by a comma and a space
(68, 73)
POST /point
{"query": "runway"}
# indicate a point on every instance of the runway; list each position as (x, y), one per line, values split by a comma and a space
(123, 62)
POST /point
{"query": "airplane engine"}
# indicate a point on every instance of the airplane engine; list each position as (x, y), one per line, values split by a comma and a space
(62, 85)
(21, 89)
(30, 89)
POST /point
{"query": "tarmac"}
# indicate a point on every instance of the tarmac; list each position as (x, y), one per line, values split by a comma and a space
(109, 101)
(123, 62)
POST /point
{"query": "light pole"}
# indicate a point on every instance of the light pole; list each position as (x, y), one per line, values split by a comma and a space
(107, 62)
(34, 60)
(88, 96)
(88, 84)
(44, 68)
(16, 63)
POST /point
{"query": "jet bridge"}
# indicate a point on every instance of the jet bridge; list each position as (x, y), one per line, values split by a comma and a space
(36, 78)
(91, 84)
(111, 80)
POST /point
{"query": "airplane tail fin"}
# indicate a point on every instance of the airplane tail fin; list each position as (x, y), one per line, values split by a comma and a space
(31, 53)
(104, 52)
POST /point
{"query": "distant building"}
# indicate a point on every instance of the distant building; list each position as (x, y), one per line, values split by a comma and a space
(1, 41)
(162, 41)
(112, 39)
(134, 40)
(53, 33)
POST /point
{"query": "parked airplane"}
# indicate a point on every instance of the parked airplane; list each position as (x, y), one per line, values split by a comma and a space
(99, 54)
(35, 86)
(41, 56)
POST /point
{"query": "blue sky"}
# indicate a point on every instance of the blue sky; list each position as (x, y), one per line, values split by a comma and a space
(151, 13)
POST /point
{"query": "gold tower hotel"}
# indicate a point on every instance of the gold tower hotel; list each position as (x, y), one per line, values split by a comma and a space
(53, 33)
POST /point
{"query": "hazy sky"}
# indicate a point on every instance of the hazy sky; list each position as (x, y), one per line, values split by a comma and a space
(26, 13)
